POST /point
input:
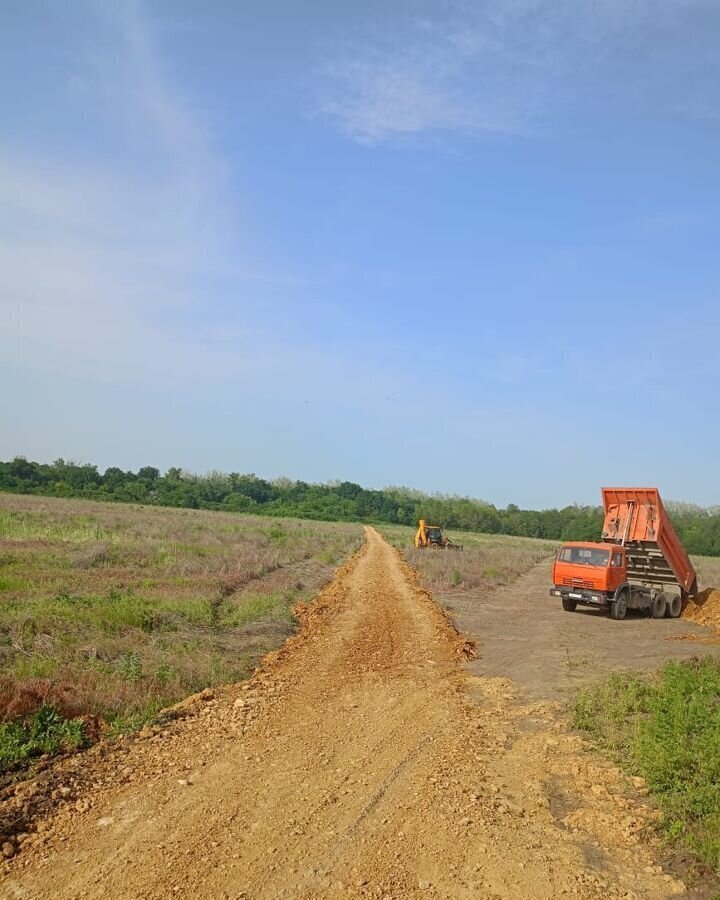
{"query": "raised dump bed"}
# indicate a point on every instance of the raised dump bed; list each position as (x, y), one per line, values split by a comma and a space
(636, 519)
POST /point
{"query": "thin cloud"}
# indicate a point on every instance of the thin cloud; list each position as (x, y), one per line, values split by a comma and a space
(376, 99)
(101, 259)
(506, 66)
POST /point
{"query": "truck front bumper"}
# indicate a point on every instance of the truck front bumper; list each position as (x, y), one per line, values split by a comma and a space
(588, 598)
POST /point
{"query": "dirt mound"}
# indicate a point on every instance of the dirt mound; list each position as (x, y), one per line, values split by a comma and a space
(704, 609)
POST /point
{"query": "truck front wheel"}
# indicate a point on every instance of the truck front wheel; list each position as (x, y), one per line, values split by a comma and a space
(618, 609)
(569, 605)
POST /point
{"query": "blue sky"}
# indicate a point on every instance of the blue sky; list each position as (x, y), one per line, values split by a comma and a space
(464, 246)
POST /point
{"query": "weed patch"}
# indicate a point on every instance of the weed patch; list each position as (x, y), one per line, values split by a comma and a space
(666, 728)
(45, 732)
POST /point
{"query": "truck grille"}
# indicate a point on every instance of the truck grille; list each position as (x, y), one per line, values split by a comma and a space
(578, 583)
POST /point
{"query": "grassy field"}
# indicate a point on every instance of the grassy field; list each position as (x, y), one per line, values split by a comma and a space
(115, 611)
(486, 560)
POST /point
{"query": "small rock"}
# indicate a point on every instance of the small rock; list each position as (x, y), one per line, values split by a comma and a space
(466, 821)
(183, 782)
(424, 885)
(61, 793)
(207, 694)
(105, 821)
(8, 850)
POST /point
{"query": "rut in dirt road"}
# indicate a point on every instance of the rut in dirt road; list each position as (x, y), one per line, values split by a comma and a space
(360, 761)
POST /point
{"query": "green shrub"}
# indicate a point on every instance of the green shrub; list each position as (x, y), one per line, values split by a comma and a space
(129, 667)
(276, 533)
(44, 732)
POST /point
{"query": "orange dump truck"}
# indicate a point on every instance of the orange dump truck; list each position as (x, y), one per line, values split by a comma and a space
(640, 563)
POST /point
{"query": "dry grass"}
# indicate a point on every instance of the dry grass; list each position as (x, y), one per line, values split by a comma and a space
(708, 571)
(485, 562)
(125, 609)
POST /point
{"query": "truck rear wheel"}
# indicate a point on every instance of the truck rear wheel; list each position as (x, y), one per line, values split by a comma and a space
(618, 609)
(674, 607)
(658, 606)
(569, 605)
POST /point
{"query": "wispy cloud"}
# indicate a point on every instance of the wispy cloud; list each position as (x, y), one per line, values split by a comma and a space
(106, 257)
(505, 66)
(155, 113)
(373, 99)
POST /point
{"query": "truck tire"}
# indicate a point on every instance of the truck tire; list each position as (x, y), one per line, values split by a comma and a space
(674, 606)
(658, 606)
(618, 609)
(569, 605)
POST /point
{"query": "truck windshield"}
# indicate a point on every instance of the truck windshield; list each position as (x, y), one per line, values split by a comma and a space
(584, 556)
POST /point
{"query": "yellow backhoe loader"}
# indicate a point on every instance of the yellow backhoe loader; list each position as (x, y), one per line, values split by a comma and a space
(432, 537)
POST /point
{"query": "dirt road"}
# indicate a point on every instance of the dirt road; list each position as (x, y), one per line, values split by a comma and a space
(361, 761)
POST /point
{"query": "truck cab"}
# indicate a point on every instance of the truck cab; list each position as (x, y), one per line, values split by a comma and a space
(433, 534)
(588, 573)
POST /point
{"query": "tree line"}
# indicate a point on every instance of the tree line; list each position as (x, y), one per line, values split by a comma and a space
(698, 528)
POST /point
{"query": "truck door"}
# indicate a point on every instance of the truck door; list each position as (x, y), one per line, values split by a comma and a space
(618, 573)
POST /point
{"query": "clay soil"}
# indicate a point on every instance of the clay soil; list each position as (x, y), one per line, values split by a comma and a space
(362, 760)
